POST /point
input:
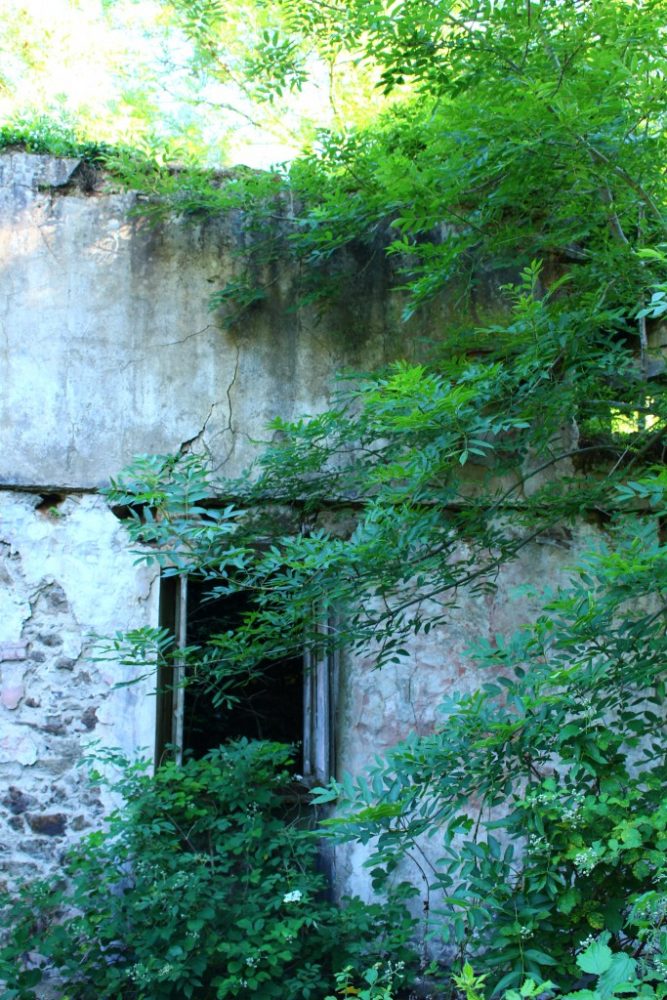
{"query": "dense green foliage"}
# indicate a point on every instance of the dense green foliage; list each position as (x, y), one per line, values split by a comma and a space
(527, 152)
(544, 790)
(45, 135)
(205, 885)
(531, 130)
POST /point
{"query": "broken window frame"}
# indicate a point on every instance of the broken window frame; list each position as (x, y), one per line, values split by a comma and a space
(321, 673)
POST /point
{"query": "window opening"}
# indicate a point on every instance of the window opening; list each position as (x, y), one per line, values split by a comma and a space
(292, 700)
(269, 706)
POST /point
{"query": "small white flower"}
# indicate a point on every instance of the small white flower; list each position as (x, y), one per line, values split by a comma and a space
(293, 897)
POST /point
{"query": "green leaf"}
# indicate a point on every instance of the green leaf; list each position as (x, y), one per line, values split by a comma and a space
(620, 972)
(540, 957)
(568, 900)
(596, 959)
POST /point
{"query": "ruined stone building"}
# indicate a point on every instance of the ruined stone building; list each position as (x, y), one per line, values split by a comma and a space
(108, 351)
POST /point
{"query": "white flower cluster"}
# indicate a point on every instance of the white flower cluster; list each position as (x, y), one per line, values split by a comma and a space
(571, 814)
(542, 798)
(586, 861)
(588, 707)
(145, 977)
(294, 896)
(181, 880)
(394, 968)
(569, 811)
(660, 966)
(537, 844)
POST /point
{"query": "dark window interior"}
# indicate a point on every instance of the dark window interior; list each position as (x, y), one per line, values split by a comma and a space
(269, 706)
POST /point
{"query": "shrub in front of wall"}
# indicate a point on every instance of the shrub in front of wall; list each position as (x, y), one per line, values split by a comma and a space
(204, 885)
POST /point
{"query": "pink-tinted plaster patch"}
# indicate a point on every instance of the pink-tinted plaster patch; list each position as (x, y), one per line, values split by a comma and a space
(11, 695)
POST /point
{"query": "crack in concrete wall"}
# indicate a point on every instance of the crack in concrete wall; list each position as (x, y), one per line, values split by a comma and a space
(186, 447)
(107, 318)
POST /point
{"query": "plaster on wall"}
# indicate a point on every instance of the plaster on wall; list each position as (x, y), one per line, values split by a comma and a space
(380, 708)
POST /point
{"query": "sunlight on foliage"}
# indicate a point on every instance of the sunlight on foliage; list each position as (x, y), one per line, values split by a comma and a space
(515, 152)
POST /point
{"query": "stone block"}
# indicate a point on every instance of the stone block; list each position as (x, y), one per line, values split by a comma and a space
(17, 801)
(47, 824)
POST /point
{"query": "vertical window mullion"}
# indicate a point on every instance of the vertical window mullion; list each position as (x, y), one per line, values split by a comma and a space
(320, 685)
(333, 674)
(322, 761)
(308, 712)
(178, 718)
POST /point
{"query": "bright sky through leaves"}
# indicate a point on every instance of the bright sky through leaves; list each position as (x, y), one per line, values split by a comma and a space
(121, 70)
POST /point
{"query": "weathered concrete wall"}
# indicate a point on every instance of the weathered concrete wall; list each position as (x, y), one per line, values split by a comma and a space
(107, 350)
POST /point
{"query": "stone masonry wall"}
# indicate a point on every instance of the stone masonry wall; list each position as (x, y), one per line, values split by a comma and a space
(65, 575)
